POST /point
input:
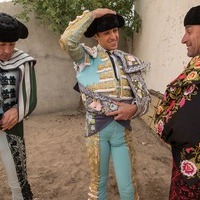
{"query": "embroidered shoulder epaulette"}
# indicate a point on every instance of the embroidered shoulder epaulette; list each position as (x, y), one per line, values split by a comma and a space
(131, 63)
(91, 51)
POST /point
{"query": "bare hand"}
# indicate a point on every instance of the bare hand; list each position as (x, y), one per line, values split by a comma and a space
(125, 111)
(10, 118)
(99, 12)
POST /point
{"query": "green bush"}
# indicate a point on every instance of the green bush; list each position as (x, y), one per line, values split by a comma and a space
(58, 13)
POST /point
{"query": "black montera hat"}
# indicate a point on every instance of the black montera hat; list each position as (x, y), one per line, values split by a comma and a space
(193, 16)
(104, 23)
(11, 29)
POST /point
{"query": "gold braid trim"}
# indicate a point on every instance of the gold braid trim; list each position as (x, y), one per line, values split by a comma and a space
(92, 144)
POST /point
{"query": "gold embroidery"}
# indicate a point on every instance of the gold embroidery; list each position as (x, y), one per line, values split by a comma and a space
(107, 75)
(103, 86)
(105, 66)
(87, 59)
(71, 34)
(124, 82)
(107, 82)
(92, 144)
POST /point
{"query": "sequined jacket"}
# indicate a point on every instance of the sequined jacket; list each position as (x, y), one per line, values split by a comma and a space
(95, 74)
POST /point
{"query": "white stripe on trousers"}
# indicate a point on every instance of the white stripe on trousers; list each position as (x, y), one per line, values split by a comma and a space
(10, 167)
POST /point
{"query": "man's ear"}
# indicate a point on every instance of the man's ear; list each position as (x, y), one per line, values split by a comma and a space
(96, 37)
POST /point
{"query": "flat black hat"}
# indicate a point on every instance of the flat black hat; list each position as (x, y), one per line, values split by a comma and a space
(104, 23)
(11, 29)
(193, 16)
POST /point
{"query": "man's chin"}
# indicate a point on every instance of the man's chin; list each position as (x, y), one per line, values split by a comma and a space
(114, 47)
(4, 58)
(190, 54)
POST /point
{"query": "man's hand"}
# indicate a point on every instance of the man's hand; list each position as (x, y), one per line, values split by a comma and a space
(125, 111)
(10, 118)
(99, 12)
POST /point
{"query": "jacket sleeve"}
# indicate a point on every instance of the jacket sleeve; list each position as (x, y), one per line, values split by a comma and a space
(142, 97)
(32, 95)
(70, 39)
(27, 90)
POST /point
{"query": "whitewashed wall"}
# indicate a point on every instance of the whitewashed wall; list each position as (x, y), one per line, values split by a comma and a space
(54, 69)
(159, 41)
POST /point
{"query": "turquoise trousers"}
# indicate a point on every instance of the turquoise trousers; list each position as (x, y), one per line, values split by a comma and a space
(116, 142)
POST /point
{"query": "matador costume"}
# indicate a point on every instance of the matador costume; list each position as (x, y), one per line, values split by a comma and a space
(17, 92)
(100, 85)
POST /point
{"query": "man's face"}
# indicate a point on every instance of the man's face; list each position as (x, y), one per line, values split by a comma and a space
(6, 50)
(192, 40)
(108, 39)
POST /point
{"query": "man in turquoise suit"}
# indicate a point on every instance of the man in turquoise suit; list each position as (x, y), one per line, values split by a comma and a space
(113, 92)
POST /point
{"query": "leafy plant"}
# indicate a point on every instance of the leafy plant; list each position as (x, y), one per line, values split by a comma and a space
(58, 13)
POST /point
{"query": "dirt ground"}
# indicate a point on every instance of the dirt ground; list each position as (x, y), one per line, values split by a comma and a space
(57, 160)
